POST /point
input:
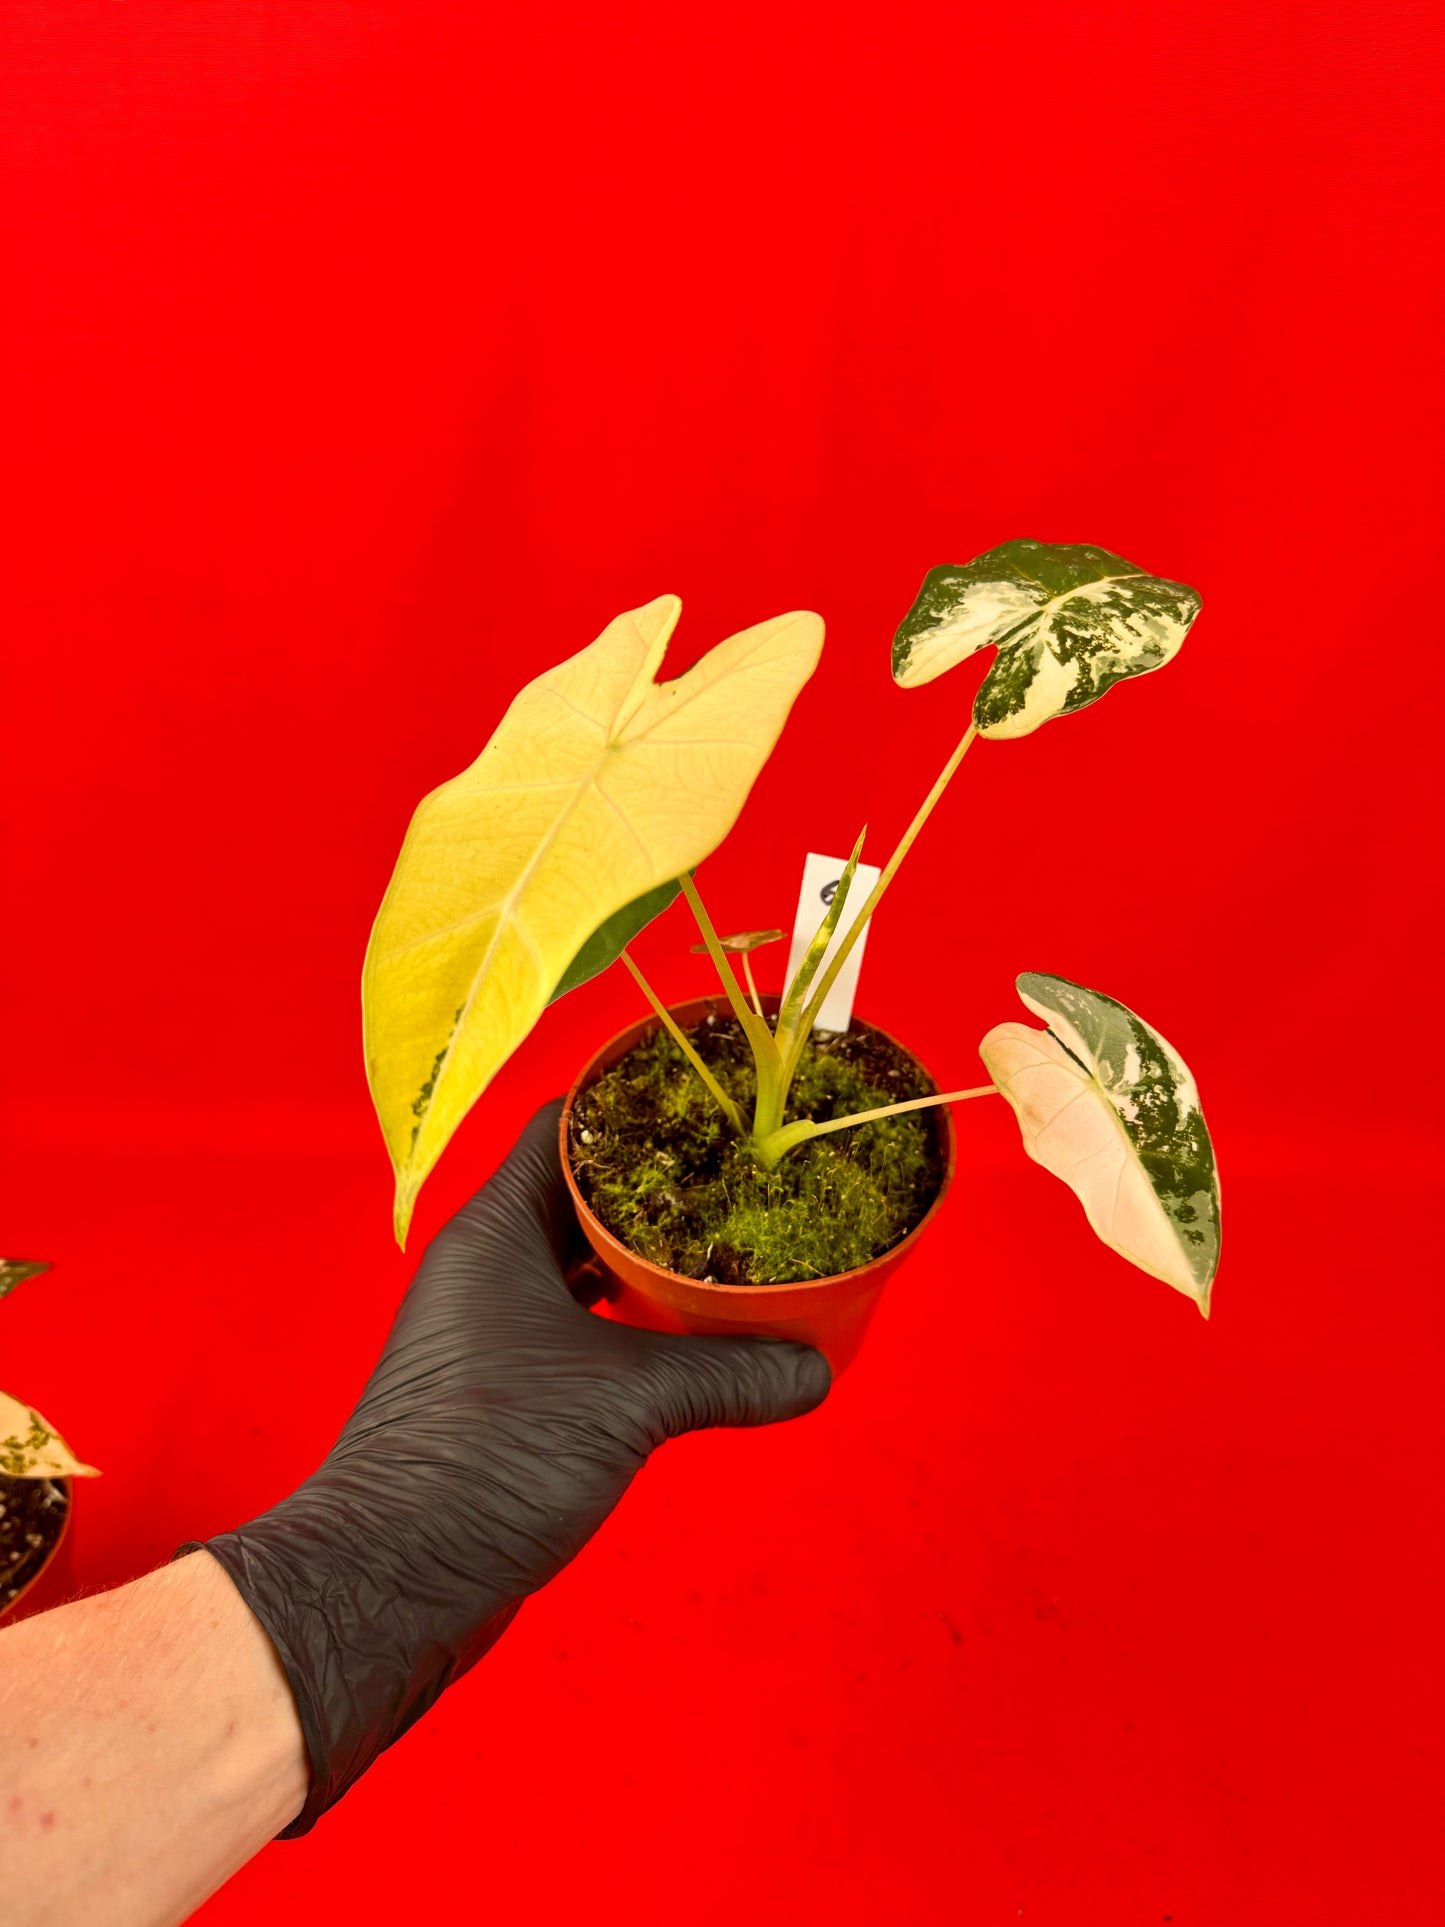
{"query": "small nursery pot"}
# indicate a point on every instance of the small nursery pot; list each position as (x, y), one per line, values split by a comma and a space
(831, 1313)
(50, 1582)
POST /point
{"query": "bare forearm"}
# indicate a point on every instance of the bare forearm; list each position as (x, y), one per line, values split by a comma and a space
(150, 1741)
(150, 1746)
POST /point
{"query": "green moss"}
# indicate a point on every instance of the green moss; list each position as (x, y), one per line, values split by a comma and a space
(657, 1162)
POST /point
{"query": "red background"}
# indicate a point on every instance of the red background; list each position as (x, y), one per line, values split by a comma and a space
(362, 361)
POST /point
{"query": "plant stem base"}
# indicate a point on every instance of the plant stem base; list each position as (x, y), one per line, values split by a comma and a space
(831, 1313)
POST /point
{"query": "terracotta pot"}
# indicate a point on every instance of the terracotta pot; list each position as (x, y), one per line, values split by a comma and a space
(831, 1313)
(53, 1581)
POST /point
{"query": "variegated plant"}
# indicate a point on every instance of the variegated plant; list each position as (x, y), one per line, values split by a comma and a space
(29, 1447)
(601, 791)
(1068, 622)
(1105, 1104)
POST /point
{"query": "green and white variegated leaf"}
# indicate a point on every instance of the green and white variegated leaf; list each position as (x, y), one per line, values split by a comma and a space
(14, 1271)
(1108, 1106)
(607, 943)
(1068, 621)
(31, 1449)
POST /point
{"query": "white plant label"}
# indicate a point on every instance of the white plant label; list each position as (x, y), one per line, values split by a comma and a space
(821, 875)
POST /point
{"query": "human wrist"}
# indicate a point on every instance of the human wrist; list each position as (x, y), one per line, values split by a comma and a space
(152, 1746)
(339, 1578)
(264, 1759)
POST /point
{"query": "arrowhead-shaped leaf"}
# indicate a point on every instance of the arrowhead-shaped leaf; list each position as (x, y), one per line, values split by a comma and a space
(14, 1271)
(30, 1449)
(1068, 620)
(599, 787)
(1108, 1106)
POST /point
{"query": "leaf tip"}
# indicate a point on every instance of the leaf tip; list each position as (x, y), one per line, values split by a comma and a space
(15, 1271)
(402, 1208)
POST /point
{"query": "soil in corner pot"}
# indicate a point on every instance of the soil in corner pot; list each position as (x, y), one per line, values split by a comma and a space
(32, 1517)
(659, 1166)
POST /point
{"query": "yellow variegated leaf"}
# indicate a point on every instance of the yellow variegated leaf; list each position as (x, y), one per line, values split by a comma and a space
(599, 785)
(31, 1449)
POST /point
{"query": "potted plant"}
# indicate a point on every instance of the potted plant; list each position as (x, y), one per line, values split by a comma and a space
(733, 1168)
(36, 1469)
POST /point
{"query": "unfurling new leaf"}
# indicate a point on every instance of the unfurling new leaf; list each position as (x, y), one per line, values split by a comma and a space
(795, 1003)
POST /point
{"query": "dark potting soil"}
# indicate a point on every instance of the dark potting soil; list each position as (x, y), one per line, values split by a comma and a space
(659, 1165)
(32, 1517)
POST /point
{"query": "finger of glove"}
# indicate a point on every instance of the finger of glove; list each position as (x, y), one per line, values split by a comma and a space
(521, 1225)
(692, 1383)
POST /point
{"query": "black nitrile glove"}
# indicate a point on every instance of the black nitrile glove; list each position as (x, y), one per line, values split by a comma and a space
(501, 1426)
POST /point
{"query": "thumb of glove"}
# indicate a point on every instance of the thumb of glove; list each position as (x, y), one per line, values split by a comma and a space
(697, 1382)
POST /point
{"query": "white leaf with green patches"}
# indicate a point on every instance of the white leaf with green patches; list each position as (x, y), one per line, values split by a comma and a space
(31, 1449)
(1068, 621)
(1108, 1106)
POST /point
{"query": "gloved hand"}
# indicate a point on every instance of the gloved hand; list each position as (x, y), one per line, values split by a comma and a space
(502, 1424)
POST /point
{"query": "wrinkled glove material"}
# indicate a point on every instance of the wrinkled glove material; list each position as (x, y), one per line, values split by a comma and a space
(501, 1426)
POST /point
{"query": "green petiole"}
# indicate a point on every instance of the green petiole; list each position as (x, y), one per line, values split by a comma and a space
(679, 1037)
(770, 1149)
(777, 1054)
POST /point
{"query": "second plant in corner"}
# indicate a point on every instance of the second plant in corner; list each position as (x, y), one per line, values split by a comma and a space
(36, 1471)
(736, 1148)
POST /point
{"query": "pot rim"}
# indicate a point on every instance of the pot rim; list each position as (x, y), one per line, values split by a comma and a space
(717, 1003)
